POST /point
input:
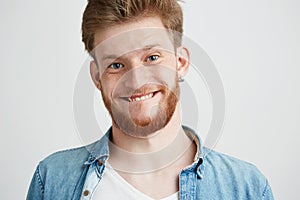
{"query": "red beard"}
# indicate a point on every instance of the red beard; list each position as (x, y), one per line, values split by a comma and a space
(125, 118)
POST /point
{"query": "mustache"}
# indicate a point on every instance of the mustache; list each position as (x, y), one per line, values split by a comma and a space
(148, 89)
(143, 90)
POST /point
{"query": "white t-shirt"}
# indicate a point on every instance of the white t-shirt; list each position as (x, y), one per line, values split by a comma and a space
(113, 187)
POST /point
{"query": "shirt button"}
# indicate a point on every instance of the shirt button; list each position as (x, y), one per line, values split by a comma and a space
(86, 193)
(100, 162)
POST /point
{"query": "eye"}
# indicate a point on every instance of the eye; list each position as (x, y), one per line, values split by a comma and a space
(152, 58)
(116, 66)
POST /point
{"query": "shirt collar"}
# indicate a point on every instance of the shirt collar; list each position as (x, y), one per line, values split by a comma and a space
(196, 138)
(100, 149)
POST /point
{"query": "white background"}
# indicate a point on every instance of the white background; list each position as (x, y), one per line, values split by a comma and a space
(254, 44)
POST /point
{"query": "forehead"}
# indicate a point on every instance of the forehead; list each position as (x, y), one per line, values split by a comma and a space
(130, 36)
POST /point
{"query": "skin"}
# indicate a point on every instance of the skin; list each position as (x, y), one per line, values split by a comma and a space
(136, 64)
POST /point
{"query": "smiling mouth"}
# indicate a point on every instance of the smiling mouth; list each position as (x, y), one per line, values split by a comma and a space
(142, 97)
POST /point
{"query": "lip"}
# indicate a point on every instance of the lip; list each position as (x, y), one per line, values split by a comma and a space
(143, 93)
(139, 97)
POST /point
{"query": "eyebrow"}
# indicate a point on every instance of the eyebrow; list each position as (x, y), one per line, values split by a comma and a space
(145, 48)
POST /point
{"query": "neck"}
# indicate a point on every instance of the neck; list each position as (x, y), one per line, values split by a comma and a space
(159, 150)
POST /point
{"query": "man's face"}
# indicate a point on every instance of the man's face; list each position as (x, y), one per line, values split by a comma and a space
(137, 72)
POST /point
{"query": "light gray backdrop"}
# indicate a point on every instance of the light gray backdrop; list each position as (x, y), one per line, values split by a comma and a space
(254, 45)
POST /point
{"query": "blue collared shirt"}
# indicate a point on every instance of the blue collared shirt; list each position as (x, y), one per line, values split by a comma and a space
(74, 174)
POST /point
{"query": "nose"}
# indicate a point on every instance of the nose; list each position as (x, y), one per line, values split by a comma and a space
(136, 76)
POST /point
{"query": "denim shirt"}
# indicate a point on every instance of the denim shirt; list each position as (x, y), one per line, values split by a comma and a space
(74, 174)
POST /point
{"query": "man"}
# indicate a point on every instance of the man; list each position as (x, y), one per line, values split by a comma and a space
(138, 62)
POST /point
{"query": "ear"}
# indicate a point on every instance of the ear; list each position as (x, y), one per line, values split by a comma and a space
(183, 61)
(94, 71)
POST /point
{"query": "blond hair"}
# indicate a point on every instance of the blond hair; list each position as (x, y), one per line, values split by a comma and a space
(100, 14)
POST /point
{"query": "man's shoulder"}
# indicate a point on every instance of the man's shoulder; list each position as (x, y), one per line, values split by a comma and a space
(233, 178)
(224, 161)
(66, 154)
(230, 167)
(60, 173)
(65, 159)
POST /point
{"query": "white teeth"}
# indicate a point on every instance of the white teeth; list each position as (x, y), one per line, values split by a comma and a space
(148, 96)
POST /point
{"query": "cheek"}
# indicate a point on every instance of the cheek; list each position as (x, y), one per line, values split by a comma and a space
(109, 84)
(106, 88)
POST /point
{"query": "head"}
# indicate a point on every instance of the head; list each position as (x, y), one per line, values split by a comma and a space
(137, 60)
